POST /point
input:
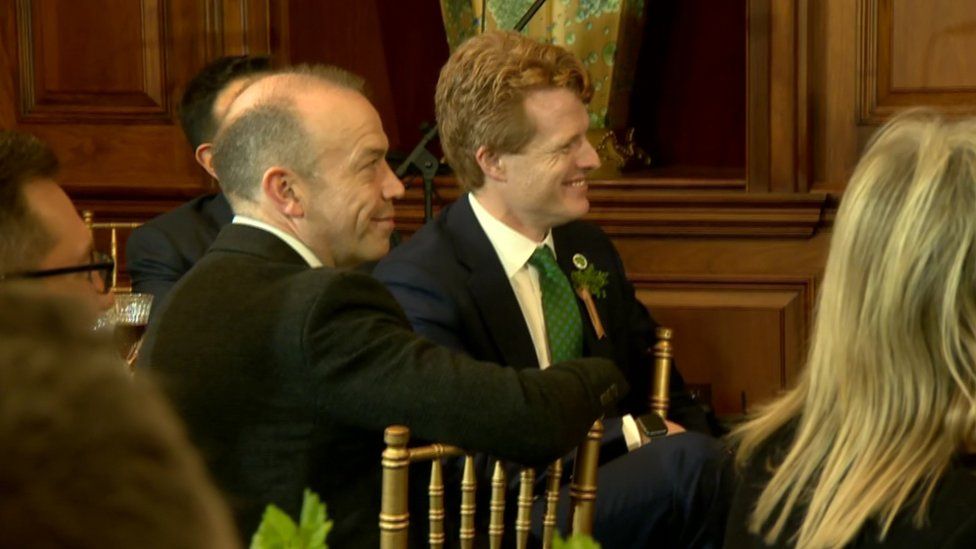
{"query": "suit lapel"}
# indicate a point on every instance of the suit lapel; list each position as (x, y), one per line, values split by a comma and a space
(489, 288)
(565, 251)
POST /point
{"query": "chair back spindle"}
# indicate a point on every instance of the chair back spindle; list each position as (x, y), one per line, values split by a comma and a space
(394, 517)
(663, 354)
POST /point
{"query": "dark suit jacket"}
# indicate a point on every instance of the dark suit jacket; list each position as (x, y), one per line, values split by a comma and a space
(450, 282)
(286, 377)
(163, 249)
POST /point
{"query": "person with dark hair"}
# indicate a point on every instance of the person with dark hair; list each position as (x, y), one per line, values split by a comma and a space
(42, 238)
(162, 250)
(91, 458)
(492, 276)
(287, 364)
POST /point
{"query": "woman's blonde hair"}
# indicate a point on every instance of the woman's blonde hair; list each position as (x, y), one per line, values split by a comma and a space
(888, 396)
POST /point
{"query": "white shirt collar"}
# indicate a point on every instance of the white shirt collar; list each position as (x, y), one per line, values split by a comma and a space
(513, 248)
(295, 244)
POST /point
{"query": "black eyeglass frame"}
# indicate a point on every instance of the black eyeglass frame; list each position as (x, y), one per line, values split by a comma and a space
(102, 264)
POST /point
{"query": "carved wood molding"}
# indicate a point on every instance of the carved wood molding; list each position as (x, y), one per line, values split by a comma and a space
(877, 99)
(622, 210)
(638, 211)
(147, 104)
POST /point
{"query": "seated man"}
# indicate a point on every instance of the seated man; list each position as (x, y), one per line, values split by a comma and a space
(91, 459)
(42, 238)
(287, 364)
(162, 250)
(491, 276)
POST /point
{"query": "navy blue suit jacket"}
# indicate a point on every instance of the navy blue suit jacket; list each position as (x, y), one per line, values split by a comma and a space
(162, 250)
(450, 282)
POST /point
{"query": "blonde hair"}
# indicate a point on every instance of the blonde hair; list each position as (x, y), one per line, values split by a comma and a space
(480, 93)
(888, 396)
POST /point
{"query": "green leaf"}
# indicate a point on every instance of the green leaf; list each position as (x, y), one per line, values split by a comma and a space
(313, 526)
(591, 279)
(576, 541)
(276, 531)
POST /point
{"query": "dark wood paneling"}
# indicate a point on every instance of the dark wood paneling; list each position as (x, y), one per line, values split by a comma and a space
(690, 89)
(99, 81)
(64, 79)
(927, 77)
(741, 338)
(398, 47)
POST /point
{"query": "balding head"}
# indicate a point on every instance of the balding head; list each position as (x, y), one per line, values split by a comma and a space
(304, 151)
(266, 126)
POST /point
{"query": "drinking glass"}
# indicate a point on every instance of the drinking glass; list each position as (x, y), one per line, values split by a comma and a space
(128, 320)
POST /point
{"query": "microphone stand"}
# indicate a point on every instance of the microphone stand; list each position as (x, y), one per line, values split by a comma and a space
(423, 159)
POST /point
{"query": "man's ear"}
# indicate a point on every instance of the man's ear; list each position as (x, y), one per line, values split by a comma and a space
(204, 156)
(490, 163)
(282, 188)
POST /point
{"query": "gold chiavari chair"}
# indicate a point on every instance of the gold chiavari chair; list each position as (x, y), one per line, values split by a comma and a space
(113, 228)
(395, 515)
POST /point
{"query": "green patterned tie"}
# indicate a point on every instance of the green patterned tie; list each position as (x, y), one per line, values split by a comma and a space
(564, 327)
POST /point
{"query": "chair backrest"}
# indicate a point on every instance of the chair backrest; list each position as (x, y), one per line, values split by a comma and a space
(395, 514)
(661, 374)
(113, 229)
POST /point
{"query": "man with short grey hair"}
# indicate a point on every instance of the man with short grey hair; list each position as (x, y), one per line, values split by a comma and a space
(287, 365)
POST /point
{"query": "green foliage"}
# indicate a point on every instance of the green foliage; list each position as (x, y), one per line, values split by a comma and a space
(576, 541)
(591, 279)
(278, 531)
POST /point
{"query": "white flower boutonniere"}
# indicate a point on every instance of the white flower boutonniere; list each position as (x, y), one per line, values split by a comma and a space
(589, 283)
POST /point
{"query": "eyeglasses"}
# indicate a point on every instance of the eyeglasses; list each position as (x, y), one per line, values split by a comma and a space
(101, 266)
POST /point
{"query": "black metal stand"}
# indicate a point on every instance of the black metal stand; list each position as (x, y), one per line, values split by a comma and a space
(426, 162)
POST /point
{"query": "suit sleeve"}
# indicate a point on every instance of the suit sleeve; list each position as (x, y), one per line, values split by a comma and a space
(372, 371)
(153, 262)
(429, 309)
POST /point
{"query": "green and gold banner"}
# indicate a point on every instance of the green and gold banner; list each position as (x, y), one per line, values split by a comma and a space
(604, 34)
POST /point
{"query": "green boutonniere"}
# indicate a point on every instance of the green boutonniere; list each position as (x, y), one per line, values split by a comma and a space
(588, 278)
(589, 283)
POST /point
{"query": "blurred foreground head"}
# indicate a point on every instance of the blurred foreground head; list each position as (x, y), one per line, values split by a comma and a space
(888, 398)
(91, 457)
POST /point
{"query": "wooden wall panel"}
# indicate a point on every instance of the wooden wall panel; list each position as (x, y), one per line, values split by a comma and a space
(933, 42)
(739, 341)
(915, 53)
(64, 79)
(99, 81)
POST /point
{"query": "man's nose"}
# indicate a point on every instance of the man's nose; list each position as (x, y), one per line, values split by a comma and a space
(392, 186)
(588, 158)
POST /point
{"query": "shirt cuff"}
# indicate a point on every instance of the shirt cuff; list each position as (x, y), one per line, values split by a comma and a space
(628, 426)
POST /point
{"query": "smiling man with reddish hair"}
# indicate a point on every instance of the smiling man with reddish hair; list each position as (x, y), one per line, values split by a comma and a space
(491, 277)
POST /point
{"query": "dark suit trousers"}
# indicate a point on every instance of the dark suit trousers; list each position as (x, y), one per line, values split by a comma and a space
(668, 493)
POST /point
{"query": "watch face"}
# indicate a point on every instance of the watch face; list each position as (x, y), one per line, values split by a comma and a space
(651, 425)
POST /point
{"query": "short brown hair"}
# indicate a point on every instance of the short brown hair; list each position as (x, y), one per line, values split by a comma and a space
(23, 239)
(480, 93)
(91, 457)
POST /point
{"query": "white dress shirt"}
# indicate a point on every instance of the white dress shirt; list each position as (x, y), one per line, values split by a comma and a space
(295, 244)
(514, 250)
